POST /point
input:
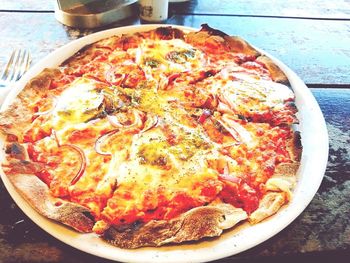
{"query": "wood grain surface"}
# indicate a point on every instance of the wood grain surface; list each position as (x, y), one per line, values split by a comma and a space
(312, 48)
(323, 226)
(336, 9)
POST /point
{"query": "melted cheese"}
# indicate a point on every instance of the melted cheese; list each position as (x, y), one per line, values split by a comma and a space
(153, 164)
(167, 55)
(176, 156)
(246, 93)
(78, 103)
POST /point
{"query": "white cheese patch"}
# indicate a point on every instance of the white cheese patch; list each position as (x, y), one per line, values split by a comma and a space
(269, 94)
(167, 55)
(78, 103)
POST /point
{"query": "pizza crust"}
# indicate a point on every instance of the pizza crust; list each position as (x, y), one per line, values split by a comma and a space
(205, 221)
(234, 43)
(296, 147)
(268, 206)
(37, 194)
(16, 119)
(237, 44)
(197, 223)
(21, 173)
(167, 33)
(277, 74)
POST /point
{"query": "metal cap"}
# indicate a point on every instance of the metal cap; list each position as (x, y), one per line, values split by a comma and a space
(92, 13)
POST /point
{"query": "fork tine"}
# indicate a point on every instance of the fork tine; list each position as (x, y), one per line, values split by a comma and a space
(29, 60)
(26, 65)
(5, 73)
(20, 63)
(23, 65)
(17, 65)
(14, 67)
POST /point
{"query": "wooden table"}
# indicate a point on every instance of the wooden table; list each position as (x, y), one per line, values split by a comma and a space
(311, 37)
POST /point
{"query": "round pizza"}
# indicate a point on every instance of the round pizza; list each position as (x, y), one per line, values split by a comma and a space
(156, 137)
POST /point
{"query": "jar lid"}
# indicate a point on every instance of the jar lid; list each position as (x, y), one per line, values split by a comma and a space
(93, 13)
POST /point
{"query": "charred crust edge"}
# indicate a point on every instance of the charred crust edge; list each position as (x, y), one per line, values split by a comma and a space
(212, 31)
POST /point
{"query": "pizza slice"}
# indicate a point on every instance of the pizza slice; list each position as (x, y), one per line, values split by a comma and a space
(156, 137)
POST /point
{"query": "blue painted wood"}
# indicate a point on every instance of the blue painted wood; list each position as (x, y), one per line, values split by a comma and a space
(318, 51)
(335, 105)
(323, 226)
(291, 8)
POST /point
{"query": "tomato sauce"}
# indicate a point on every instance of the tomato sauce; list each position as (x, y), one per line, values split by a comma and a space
(242, 194)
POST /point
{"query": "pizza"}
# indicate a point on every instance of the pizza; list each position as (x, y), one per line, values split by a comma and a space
(157, 137)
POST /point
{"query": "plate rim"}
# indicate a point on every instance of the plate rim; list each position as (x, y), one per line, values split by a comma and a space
(192, 254)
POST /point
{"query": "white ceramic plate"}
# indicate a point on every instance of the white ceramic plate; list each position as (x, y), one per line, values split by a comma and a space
(313, 164)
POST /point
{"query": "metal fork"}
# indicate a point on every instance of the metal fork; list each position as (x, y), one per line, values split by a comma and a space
(17, 65)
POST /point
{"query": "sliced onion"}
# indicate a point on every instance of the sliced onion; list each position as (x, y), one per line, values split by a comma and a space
(53, 132)
(138, 122)
(82, 156)
(224, 73)
(138, 118)
(229, 178)
(240, 130)
(163, 83)
(138, 55)
(110, 77)
(204, 59)
(211, 102)
(229, 105)
(227, 71)
(101, 139)
(233, 132)
(226, 169)
(150, 123)
(206, 113)
(184, 104)
(173, 76)
(224, 108)
(113, 120)
(82, 168)
(124, 80)
(39, 113)
(171, 79)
